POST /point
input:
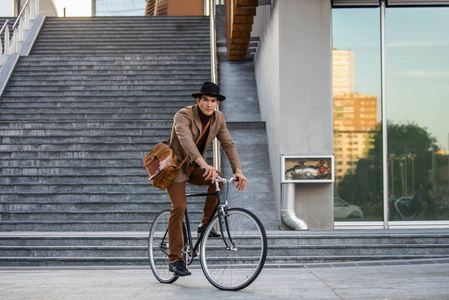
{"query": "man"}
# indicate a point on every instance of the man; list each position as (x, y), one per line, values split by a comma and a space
(188, 125)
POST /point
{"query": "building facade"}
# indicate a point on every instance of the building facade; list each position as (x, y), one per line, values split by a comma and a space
(11, 8)
(118, 7)
(367, 83)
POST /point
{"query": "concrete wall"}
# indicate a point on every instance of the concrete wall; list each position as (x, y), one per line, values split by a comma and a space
(294, 79)
(266, 66)
(47, 8)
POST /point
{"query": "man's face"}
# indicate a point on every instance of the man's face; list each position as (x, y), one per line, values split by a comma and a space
(207, 104)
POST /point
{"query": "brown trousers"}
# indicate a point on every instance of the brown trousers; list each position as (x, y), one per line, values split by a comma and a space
(177, 193)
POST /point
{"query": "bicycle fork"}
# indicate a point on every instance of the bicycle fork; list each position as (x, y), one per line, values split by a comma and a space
(222, 214)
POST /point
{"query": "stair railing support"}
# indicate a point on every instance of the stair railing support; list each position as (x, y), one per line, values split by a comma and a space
(5, 31)
(214, 76)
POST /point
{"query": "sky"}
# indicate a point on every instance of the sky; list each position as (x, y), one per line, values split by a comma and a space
(74, 8)
(417, 62)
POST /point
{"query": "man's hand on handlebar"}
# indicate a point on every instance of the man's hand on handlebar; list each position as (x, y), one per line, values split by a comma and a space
(241, 182)
(210, 173)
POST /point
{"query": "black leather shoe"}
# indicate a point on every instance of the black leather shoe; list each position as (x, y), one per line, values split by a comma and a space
(179, 268)
(212, 233)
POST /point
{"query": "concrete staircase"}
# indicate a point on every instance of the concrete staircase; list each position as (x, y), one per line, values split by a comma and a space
(79, 114)
(76, 119)
(285, 248)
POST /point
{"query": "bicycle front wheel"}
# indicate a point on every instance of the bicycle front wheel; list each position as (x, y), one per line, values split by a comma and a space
(234, 261)
(158, 248)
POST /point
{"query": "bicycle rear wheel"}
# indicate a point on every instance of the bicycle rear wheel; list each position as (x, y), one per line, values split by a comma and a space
(235, 267)
(158, 248)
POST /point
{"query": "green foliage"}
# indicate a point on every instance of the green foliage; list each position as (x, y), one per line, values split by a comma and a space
(410, 149)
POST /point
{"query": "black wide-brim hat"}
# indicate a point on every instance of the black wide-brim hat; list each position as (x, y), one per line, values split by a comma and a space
(210, 89)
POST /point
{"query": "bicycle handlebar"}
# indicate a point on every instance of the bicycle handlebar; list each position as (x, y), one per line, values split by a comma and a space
(220, 179)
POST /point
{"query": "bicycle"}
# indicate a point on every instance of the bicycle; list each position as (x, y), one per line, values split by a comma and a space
(230, 262)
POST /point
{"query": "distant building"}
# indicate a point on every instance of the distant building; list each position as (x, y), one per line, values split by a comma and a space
(354, 121)
(118, 7)
(343, 72)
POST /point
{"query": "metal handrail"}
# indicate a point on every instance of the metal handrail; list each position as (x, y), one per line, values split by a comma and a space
(29, 10)
(213, 42)
(5, 28)
(20, 14)
(213, 75)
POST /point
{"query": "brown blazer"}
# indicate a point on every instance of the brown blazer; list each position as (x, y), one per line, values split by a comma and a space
(186, 130)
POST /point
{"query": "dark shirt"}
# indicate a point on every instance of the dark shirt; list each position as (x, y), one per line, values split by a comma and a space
(204, 119)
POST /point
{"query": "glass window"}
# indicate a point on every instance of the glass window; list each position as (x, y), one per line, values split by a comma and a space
(356, 91)
(120, 7)
(417, 93)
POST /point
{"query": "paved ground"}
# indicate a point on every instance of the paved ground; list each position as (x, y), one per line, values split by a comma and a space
(424, 279)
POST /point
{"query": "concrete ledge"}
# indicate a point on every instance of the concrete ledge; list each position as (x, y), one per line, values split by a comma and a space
(6, 70)
(25, 48)
(245, 125)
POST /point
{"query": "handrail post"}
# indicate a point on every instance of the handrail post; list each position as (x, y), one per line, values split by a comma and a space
(21, 30)
(213, 42)
(6, 39)
(5, 31)
(214, 79)
(27, 18)
(32, 10)
(14, 40)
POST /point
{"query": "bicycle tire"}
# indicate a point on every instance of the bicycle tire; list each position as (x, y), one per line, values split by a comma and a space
(158, 248)
(234, 269)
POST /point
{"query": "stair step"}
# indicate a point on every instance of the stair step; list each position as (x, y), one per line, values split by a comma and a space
(46, 173)
(140, 251)
(73, 179)
(83, 216)
(86, 124)
(117, 59)
(22, 198)
(98, 84)
(83, 103)
(92, 116)
(85, 132)
(93, 93)
(87, 226)
(51, 189)
(130, 248)
(40, 164)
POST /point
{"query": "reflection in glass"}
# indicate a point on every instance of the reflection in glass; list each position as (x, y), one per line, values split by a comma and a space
(356, 102)
(417, 41)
